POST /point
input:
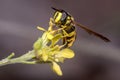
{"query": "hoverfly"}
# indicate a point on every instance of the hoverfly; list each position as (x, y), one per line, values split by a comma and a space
(63, 19)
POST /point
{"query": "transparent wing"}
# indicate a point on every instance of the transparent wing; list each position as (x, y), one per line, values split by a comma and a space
(92, 32)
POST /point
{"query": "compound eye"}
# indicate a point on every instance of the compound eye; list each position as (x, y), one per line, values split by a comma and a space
(63, 16)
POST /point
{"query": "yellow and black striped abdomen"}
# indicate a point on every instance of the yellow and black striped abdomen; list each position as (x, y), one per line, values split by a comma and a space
(70, 36)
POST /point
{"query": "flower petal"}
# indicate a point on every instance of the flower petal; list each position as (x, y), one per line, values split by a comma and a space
(56, 68)
(66, 53)
(40, 28)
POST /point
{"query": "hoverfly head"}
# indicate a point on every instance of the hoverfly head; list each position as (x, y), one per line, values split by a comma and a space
(60, 16)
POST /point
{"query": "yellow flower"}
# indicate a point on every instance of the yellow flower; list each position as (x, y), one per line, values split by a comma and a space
(63, 54)
(48, 51)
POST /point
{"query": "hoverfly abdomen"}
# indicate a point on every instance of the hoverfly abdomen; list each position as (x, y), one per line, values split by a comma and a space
(70, 36)
(69, 40)
(70, 29)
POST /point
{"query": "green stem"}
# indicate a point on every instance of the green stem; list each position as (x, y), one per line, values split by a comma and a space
(26, 59)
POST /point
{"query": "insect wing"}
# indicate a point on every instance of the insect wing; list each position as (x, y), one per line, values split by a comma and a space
(92, 32)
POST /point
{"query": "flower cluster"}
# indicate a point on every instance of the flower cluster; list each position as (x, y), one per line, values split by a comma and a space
(48, 51)
(45, 50)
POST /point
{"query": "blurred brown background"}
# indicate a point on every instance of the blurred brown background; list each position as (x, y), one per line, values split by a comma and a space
(94, 60)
